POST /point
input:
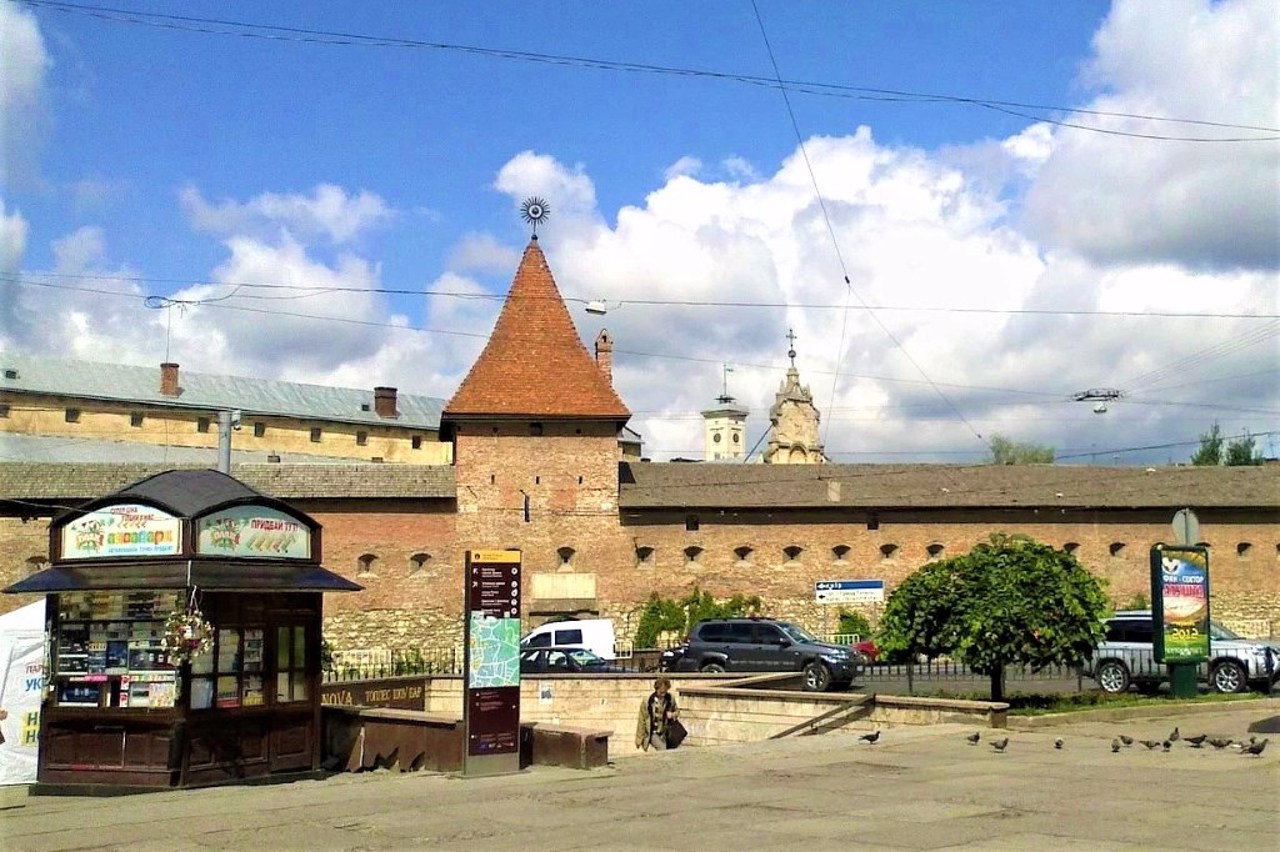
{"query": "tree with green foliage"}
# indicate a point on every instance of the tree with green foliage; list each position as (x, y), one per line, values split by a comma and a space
(1215, 450)
(1010, 601)
(854, 624)
(1243, 452)
(1005, 451)
(662, 614)
(1209, 454)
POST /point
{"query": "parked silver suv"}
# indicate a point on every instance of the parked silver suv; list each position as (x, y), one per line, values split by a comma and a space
(1127, 656)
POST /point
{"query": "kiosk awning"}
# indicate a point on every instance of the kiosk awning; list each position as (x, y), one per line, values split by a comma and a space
(219, 575)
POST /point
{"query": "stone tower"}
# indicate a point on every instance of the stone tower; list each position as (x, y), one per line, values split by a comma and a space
(724, 427)
(535, 428)
(794, 433)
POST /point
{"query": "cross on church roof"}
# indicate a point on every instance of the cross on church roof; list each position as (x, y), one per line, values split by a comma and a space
(791, 352)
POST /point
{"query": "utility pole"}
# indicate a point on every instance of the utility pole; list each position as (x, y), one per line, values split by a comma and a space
(227, 420)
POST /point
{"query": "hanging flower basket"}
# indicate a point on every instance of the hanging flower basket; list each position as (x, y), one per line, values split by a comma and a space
(186, 635)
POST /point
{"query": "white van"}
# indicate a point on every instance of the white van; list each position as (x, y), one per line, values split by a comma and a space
(594, 634)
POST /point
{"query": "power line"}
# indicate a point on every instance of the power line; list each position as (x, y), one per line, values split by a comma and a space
(26, 278)
(272, 32)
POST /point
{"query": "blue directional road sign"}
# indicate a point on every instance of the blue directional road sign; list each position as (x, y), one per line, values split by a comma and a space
(849, 591)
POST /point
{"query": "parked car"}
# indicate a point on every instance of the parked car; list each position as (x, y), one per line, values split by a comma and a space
(594, 634)
(764, 645)
(564, 661)
(1127, 657)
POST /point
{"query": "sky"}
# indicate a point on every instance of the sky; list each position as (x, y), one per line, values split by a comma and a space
(969, 214)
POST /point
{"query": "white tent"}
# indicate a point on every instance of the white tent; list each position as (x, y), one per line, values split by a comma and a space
(21, 687)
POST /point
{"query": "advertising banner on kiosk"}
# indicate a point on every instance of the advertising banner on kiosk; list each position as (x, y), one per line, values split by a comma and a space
(491, 705)
(1180, 603)
(21, 688)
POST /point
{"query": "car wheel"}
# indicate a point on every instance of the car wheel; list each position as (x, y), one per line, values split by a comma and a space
(712, 668)
(1113, 677)
(817, 677)
(1228, 676)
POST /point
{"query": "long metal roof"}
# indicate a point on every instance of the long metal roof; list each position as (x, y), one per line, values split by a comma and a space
(126, 383)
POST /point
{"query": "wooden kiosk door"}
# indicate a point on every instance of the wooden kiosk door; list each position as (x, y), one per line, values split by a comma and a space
(295, 729)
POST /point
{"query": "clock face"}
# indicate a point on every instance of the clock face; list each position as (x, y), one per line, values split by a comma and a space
(736, 437)
(716, 437)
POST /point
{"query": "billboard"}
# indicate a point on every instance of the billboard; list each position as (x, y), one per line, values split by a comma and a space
(126, 529)
(1180, 603)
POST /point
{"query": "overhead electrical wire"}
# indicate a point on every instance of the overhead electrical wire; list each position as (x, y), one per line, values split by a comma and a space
(274, 32)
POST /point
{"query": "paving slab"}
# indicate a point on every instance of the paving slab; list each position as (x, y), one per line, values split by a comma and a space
(918, 788)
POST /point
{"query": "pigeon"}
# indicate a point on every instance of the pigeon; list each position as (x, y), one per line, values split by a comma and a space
(974, 737)
(1115, 746)
(1198, 741)
(1128, 741)
(1150, 744)
(870, 738)
(1219, 744)
(1057, 743)
(999, 745)
(1256, 748)
(1175, 736)
(1167, 745)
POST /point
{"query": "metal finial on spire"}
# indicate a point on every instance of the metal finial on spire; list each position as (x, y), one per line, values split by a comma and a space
(791, 353)
(534, 211)
(724, 398)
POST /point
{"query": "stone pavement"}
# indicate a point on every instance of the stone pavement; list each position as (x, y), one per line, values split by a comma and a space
(918, 788)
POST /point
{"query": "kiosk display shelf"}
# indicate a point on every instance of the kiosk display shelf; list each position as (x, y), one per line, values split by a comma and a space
(109, 650)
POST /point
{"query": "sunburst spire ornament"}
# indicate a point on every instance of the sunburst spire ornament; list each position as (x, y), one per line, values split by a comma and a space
(534, 211)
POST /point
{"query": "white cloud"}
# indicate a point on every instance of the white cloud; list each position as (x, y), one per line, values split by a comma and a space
(24, 67)
(328, 212)
(483, 253)
(13, 238)
(684, 166)
(1119, 199)
(740, 168)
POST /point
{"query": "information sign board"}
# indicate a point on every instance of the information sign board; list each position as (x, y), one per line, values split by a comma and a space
(1180, 603)
(491, 708)
(849, 591)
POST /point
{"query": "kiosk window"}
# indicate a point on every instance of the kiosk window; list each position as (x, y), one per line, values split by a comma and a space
(291, 663)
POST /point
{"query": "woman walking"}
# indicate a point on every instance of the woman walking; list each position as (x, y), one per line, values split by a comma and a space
(656, 713)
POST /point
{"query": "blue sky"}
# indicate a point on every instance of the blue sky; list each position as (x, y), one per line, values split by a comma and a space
(172, 157)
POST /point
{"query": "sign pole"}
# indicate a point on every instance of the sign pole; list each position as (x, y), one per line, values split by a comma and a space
(491, 667)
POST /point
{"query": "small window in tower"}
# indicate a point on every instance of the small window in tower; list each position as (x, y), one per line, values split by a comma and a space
(362, 439)
(365, 564)
(792, 552)
(418, 562)
(841, 552)
(1116, 549)
(417, 442)
(935, 550)
(644, 556)
(579, 479)
(693, 554)
(315, 434)
(566, 556)
(135, 419)
(202, 424)
(72, 415)
(535, 428)
(1071, 548)
(37, 563)
(873, 522)
(889, 551)
(1243, 549)
(691, 523)
(743, 553)
(259, 429)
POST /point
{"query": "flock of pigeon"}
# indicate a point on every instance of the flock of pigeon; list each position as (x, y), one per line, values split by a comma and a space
(1253, 747)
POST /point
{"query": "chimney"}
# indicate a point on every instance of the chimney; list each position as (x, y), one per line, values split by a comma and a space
(384, 402)
(604, 354)
(169, 379)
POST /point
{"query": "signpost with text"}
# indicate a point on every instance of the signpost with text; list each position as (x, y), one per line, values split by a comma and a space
(491, 673)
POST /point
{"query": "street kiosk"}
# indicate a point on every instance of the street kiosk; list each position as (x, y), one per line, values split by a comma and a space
(183, 620)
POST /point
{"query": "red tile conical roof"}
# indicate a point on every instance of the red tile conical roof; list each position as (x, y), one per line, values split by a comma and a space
(535, 364)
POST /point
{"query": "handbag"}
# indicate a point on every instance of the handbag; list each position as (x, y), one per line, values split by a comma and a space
(676, 733)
